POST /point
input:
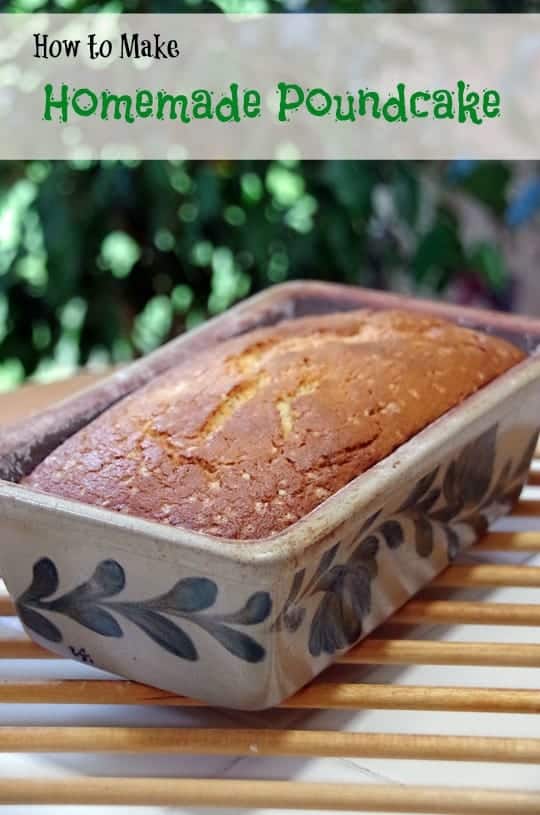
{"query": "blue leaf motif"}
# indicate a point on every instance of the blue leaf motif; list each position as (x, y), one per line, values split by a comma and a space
(38, 623)
(236, 642)
(109, 577)
(96, 619)
(161, 630)
(392, 532)
(107, 580)
(44, 581)
(256, 610)
(335, 625)
(186, 596)
(426, 504)
(89, 604)
(424, 539)
(293, 618)
(325, 562)
(365, 556)
(368, 523)
(419, 490)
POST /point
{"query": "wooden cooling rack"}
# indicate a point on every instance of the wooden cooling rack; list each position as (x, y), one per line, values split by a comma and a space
(467, 595)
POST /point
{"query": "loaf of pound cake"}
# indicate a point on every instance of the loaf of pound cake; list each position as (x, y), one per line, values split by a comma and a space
(248, 437)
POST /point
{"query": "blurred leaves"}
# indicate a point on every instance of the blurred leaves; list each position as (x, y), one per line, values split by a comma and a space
(100, 261)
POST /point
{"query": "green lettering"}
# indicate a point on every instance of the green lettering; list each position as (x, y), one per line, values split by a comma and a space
(414, 109)
(143, 104)
(285, 104)
(369, 96)
(61, 104)
(227, 109)
(347, 116)
(444, 104)
(252, 104)
(491, 104)
(117, 101)
(397, 102)
(79, 108)
(173, 102)
(468, 104)
(202, 104)
(324, 106)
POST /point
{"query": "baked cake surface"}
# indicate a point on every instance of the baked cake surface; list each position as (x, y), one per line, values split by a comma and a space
(247, 438)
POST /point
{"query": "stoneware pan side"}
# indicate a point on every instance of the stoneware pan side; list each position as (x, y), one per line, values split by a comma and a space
(247, 624)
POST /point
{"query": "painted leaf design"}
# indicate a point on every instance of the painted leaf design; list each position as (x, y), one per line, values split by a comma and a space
(497, 490)
(392, 532)
(235, 642)
(451, 489)
(369, 522)
(474, 468)
(445, 513)
(324, 564)
(423, 537)
(293, 618)
(161, 630)
(44, 581)
(88, 605)
(356, 598)
(326, 560)
(427, 503)
(337, 622)
(257, 608)
(39, 624)
(95, 618)
(186, 596)
(419, 490)
(365, 555)
(326, 633)
(107, 580)
(331, 580)
(109, 577)
(296, 585)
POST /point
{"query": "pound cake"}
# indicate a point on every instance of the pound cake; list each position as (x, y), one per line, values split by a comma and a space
(248, 437)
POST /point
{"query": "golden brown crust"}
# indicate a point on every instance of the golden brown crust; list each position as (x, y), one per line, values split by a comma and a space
(249, 437)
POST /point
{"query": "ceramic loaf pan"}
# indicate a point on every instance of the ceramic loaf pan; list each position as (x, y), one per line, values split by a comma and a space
(245, 625)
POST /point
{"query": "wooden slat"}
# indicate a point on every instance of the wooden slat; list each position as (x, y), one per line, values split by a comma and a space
(486, 574)
(376, 651)
(453, 612)
(23, 648)
(318, 695)
(259, 742)
(342, 696)
(509, 542)
(527, 509)
(426, 652)
(7, 608)
(534, 478)
(170, 792)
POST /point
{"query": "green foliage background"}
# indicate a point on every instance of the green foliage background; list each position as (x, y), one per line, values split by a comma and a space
(100, 261)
